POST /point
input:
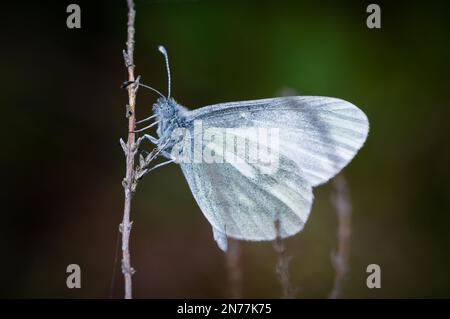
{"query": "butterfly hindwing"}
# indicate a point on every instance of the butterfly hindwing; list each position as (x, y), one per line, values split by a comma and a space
(243, 206)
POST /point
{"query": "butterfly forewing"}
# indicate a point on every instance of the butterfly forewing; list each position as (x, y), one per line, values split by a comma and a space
(317, 137)
(320, 134)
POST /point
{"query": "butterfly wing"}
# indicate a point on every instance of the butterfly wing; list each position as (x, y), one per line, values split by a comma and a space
(318, 136)
(240, 203)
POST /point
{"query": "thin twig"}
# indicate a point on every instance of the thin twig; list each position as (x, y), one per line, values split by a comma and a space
(129, 182)
(342, 204)
(282, 267)
(234, 268)
(113, 276)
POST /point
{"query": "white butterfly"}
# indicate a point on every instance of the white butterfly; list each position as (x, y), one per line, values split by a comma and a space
(318, 136)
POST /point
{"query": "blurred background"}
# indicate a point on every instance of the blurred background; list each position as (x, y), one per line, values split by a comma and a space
(63, 113)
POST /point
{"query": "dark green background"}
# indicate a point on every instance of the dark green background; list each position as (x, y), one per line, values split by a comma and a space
(63, 114)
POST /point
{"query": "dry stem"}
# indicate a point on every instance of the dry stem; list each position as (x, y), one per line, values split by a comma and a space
(129, 182)
(282, 267)
(234, 268)
(342, 204)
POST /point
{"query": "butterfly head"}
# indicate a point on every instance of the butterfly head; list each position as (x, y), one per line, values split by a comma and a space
(169, 116)
(165, 108)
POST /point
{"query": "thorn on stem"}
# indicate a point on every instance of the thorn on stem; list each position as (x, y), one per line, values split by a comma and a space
(134, 186)
(128, 111)
(127, 271)
(137, 83)
(124, 183)
(127, 59)
(124, 146)
(134, 146)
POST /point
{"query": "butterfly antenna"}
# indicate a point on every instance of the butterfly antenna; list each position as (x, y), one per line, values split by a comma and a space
(138, 83)
(166, 57)
(150, 88)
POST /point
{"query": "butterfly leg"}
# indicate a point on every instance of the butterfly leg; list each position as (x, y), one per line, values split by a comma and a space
(156, 151)
(152, 139)
(161, 164)
(145, 128)
(146, 119)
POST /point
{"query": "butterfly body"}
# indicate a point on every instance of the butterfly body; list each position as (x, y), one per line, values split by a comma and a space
(316, 137)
